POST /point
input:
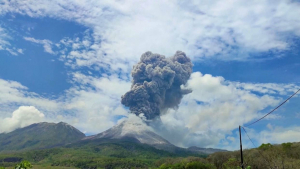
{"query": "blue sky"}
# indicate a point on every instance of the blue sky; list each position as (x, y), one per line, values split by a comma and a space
(71, 61)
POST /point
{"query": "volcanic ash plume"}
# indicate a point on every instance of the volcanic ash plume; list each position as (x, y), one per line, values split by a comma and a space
(156, 83)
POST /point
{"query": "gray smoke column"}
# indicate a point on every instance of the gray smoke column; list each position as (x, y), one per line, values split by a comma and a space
(156, 83)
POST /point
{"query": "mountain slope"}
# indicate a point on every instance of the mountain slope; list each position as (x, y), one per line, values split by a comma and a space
(95, 153)
(39, 135)
(139, 132)
(134, 131)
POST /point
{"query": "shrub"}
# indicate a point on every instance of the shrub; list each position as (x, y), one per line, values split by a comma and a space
(23, 165)
(189, 165)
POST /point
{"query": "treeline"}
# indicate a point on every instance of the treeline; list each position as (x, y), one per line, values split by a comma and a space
(267, 156)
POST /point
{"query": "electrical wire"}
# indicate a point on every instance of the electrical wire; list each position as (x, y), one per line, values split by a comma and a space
(273, 109)
(255, 146)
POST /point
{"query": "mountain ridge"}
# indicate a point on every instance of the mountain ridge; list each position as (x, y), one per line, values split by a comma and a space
(39, 136)
(48, 135)
(139, 131)
(135, 130)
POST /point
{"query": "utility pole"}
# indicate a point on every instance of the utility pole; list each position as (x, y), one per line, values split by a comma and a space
(241, 149)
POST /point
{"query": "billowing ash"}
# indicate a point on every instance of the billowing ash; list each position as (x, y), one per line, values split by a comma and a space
(156, 84)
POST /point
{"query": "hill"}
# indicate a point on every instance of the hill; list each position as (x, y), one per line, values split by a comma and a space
(119, 153)
(39, 136)
(285, 155)
(101, 153)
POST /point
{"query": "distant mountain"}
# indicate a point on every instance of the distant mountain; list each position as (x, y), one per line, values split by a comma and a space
(205, 150)
(40, 135)
(49, 135)
(140, 133)
(135, 132)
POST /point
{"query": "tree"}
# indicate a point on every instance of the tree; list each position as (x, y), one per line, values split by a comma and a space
(23, 165)
(265, 146)
(287, 146)
(231, 163)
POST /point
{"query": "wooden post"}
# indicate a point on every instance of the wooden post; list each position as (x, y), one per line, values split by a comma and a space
(241, 149)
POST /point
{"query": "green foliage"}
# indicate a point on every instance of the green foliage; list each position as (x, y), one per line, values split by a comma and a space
(2, 167)
(23, 165)
(187, 163)
(198, 165)
(172, 166)
(190, 165)
(121, 154)
(100, 153)
(286, 155)
(265, 146)
(287, 146)
(232, 163)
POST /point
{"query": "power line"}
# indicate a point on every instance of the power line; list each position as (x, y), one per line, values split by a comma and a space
(274, 109)
(255, 146)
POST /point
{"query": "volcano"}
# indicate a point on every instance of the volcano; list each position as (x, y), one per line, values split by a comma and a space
(137, 132)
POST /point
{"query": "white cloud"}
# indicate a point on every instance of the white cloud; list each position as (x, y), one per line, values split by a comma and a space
(121, 31)
(205, 117)
(22, 117)
(212, 111)
(298, 115)
(231, 138)
(96, 101)
(20, 51)
(77, 53)
(4, 42)
(92, 105)
(274, 134)
(279, 135)
(269, 126)
(47, 44)
(14, 94)
(3, 39)
(268, 88)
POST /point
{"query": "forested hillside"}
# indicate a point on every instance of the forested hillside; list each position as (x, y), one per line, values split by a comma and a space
(286, 155)
(132, 155)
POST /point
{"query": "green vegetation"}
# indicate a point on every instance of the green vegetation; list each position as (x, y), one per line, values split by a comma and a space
(265, 146)
(100, 153)
(186, 163)
(110, 154)
(23, 165)
(286, 155)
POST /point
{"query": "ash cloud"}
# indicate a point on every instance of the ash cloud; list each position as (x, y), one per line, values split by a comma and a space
(156, 84)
